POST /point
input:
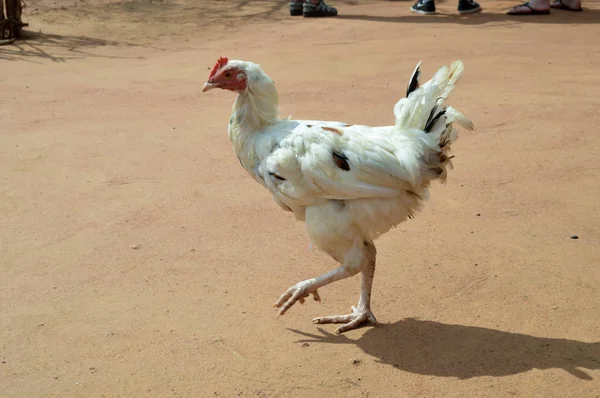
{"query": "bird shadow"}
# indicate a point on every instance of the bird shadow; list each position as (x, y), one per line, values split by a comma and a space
(445, 350)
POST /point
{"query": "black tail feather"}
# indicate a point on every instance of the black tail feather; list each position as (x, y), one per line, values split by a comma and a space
(433, 119)
(431, 114)
(414, 81)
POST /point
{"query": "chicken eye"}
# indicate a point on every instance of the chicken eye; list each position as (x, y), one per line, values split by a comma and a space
(228, 75)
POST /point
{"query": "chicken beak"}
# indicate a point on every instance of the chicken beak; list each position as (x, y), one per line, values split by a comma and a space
(209, 86)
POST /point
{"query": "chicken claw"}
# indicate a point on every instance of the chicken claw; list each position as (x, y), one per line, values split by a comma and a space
(298, 292)
(315, 294)
(351, 321)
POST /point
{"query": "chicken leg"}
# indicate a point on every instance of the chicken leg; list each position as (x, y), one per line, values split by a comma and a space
(360, 314)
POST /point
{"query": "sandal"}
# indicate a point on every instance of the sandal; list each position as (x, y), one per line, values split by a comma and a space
(318, 10)
(558, 4)
(530, 11)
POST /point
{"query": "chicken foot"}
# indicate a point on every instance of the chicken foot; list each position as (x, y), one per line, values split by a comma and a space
(360, 314)
(303, 289)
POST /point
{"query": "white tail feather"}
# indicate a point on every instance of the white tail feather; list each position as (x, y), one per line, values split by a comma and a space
(424, 109)
(415, 111)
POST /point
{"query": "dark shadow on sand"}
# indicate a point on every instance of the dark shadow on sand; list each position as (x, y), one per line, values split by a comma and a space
(438, 349)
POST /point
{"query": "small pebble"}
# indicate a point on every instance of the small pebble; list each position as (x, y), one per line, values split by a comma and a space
(305, 345)
(135, 247)
(478, 215)
(574, 237)
(355, 361)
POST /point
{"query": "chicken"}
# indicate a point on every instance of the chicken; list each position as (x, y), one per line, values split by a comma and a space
(349, 183)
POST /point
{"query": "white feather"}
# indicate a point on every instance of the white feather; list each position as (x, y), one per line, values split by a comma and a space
(390, 167)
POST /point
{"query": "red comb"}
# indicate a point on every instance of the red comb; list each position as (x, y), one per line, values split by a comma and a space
(221, 62)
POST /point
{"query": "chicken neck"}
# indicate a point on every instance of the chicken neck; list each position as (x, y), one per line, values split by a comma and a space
(253, 111)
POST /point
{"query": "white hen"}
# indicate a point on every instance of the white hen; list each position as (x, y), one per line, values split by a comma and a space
(349, 183)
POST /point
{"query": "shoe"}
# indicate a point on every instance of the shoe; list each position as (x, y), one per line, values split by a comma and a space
(318, 10)
(296, 7)
(426, 7)
(468, 7)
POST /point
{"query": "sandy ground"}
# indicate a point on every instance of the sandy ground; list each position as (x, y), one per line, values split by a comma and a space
(139, 260)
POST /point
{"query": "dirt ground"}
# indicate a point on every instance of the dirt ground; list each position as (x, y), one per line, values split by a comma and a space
(138, 258)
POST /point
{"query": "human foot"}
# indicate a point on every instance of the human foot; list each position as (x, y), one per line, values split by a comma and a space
(569, 5)
(468, 7)
(318, 9)
(528, 9)
(425, 7)
(296, 7)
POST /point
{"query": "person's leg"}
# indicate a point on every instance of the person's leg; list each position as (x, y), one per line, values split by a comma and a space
(532, 7)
